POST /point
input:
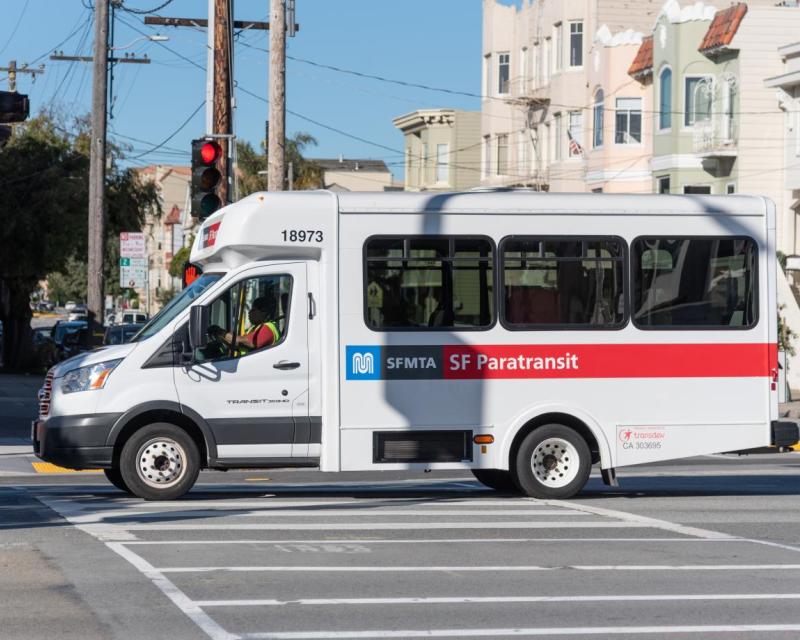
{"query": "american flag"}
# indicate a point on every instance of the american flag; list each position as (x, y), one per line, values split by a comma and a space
(575, 148)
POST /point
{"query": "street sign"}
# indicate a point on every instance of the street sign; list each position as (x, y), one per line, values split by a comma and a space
(131, 245)
(133, 273)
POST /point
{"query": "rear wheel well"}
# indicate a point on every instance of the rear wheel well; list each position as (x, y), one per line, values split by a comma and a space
(161, 415)
(555, 418)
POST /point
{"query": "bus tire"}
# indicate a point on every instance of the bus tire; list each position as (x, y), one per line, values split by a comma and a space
(496, 479)
(115, 477)
(553, 462)
(160, 461)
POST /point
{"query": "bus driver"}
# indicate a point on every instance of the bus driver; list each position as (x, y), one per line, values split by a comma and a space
(263, 330)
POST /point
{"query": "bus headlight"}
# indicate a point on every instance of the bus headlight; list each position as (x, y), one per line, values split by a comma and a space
(88, 378)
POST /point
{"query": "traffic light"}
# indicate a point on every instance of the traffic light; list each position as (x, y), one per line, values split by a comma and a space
(191, 272)
(14, 107)
(206, 177)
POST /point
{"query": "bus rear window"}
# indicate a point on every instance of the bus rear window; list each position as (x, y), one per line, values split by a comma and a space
(429, 283)
(685, 283)
(569, 283)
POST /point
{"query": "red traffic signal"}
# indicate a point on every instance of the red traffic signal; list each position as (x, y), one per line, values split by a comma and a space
(210, 152)
(206, 178)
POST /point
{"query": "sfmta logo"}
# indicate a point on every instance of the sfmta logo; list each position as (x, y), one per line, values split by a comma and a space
(363, 363)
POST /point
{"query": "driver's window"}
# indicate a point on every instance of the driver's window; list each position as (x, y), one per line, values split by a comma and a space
(250, 316)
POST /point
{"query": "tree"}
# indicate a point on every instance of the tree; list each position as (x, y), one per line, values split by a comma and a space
(307, 175)
(44, 178)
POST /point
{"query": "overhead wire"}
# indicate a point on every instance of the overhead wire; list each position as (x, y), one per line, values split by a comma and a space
(16, 26)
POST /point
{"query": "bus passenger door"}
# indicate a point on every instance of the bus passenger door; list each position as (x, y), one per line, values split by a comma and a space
(253, 396)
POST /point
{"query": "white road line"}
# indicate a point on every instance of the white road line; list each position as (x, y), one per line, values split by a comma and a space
(271, 503)
(530, 632)
(133, 514)
(777, 545)
(368, 541)
(379, 526)
(479, 568)
(499, 599)
(190, 608)
(642, 521)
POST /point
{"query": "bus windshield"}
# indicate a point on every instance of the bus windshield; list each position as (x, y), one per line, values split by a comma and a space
(176, 305)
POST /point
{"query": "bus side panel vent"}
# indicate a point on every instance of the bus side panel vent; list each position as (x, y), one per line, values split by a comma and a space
(422, 446)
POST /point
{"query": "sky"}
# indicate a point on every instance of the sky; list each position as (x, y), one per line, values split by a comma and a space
(431, 42)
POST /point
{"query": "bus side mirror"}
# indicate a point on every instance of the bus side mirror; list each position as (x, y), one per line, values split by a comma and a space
(199, 321)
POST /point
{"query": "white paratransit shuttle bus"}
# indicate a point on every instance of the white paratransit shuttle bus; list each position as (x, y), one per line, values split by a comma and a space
(523, 336)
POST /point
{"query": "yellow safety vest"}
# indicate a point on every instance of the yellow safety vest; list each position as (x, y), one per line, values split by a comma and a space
(276, 336)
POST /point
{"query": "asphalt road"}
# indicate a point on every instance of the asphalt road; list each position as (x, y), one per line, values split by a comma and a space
(709, 547)
(713, 550)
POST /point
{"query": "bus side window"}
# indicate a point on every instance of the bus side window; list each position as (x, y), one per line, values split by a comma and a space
(570, 282)
(694, 282)
(429, 283)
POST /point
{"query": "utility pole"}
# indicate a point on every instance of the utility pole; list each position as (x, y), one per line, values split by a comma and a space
(97, 167)
(276, 145)
(13, 70)
(223, 99)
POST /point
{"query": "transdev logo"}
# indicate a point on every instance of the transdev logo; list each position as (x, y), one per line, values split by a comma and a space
(210, 234)
(363, 363)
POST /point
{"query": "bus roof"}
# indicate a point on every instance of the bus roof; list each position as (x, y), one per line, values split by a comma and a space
(533, 202)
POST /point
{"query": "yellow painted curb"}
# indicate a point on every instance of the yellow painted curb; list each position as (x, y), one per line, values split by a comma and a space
(796, 447)
(48, 467)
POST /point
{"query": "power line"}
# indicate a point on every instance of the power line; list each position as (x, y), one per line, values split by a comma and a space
(173, 134)
(142, 12)
(16, 26)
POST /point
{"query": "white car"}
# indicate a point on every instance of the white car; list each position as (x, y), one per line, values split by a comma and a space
(70, 305)
(132, 317)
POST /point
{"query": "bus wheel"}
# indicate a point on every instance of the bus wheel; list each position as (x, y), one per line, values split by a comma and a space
(553, 461)
(496, 479)
(160, 462)
(115, 477)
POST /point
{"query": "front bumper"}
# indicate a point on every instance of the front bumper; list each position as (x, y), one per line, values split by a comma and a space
(785, 433)
(75, 442)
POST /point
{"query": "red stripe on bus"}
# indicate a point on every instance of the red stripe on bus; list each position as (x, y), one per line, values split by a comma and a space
(610, 361)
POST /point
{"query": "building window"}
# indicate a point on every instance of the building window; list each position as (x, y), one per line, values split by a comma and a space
(558, 46)
(428, 283)
(697, 189)
(694, 282)
(487, 75)
(558, 133)
(502, 154)
(522, 153)
(663, 184)
(665, 99)
(575, 133)
(503, 72)
(728, 101)
(550, 282)
(628, 121)
(697, 99)
(597, 190)
(576, 44)
(598, 110)
(442, 163)
(730, 188)
(548, 60)
(485, 165)
(523, 70)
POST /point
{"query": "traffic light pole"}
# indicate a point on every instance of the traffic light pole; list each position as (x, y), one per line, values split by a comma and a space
(276, 145)
(97, 165)
(223, 99)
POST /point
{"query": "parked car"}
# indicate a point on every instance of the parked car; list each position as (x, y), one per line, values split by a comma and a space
(132, 317)
(78, 312)
(70, 305)
(121, 333)
(70, 338)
